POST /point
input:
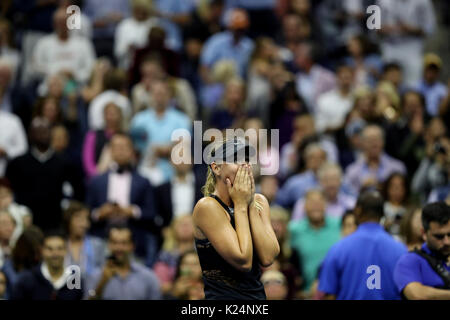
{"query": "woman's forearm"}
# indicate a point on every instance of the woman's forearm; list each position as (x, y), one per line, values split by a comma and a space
(264, 238)
(244, 234)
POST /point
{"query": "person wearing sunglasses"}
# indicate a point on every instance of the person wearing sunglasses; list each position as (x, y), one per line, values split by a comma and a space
(425, 274)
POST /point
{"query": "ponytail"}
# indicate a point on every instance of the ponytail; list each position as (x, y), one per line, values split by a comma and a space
(210, 184)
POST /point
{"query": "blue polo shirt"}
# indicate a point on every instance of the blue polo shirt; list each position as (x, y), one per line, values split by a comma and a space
(348, 268)
(413, 268)
(221, 46)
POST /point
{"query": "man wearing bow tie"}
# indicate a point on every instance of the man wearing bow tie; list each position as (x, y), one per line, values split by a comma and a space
(121, 195)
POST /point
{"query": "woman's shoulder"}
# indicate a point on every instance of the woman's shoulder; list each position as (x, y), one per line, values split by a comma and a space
(204, 204)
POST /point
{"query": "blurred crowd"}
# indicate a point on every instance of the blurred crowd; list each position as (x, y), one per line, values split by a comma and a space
(87, 115)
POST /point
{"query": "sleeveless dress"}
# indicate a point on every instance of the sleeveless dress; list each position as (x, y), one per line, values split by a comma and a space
(221, 280)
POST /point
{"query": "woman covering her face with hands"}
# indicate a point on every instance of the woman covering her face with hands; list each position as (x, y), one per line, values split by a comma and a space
(233, 232)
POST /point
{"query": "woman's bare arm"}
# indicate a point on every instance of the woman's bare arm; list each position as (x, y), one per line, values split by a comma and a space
(235, 246)
(264, 238)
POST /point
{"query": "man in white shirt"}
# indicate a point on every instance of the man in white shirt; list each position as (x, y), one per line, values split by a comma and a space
(62, 52)
(333, 106)
(132, 33)
(13, 140)
(405, 25)
(312, 80)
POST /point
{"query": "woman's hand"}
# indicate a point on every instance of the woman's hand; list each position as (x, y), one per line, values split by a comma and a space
(241, 190)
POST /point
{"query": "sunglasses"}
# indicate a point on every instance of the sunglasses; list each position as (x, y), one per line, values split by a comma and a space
(441, 236)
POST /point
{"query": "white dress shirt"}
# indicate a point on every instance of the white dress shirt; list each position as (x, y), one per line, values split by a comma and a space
(332, 108)
(12, 138)
(183, 193)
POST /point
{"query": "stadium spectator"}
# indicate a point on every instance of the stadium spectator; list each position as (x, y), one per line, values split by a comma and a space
(269, 187)
(49, 280)
(433, 90)
(26, 254)
(178, 239)
(411, 229)
(121, 277)
(83, 250)
(275, 285)
(96, 150)
(396, 196)
(21, 214)
(105, 18)
(346, 272)
(404, 28)
(151, 71)
(312, 80)
(132, 32)
(179, 195)
(333, 106)
(188, 275)
(337, 201)
(296, 186)
(367, 65)
(313, 236)
(13, 141)
(114, 90)
(60, 52)
(406, 135)
(303, 127)
(122, 195)
(433, 168)
(421, 274)
(231, 44)
(7, 51)
(348, 223)
(156, 124)
(38, 177)
(374, 166)
(231, 113)
(288, 261)
(7, 226)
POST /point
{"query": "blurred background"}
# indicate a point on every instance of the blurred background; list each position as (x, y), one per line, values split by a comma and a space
(86, 117)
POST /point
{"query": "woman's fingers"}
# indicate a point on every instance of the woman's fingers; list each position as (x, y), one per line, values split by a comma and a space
(237, 178)
(252, 180)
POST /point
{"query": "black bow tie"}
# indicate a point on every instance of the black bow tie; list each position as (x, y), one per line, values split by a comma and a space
(124, 168)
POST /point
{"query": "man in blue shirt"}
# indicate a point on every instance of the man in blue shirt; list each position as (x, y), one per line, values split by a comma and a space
(433, 90)
(361, 265)
(122, 277)
(228, 45)
(414, 276)
(152, 130)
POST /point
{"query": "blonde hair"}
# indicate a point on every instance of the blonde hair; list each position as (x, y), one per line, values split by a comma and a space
(210, 184)
(170, 237)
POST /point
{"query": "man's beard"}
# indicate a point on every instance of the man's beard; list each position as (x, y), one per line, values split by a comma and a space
(440, 254)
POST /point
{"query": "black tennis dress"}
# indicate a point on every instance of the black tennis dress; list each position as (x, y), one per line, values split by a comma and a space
(222, 281)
